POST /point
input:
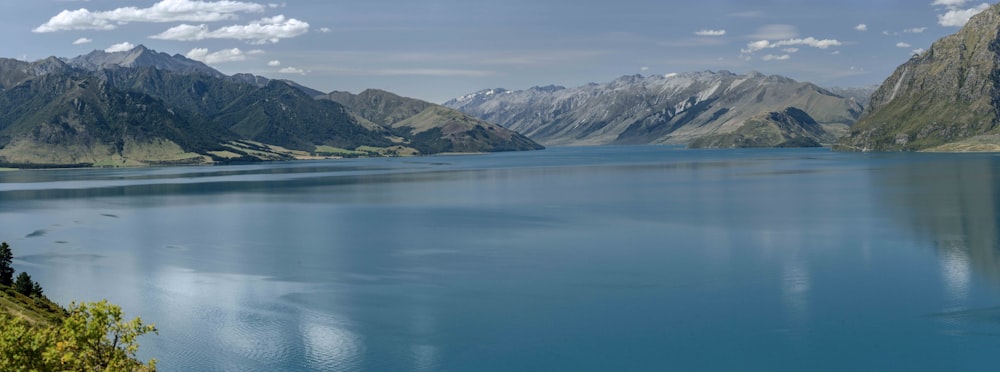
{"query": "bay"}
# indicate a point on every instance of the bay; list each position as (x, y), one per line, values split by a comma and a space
(591, 258)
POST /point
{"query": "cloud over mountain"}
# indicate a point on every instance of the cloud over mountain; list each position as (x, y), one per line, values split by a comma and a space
(809, 41)
(222, 56)
(262, 31)
(161, 12)
(957, 15)
(120, 47)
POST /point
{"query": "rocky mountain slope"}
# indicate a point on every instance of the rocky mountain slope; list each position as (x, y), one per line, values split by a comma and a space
(789, 128)
(141, 56)
(439, 128)
(141, 107)
(947, 98)
(861, 95)
(675, 108)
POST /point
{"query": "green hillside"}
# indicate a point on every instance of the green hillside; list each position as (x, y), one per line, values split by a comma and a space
(38, 335)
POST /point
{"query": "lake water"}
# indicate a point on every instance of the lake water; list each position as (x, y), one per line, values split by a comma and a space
(610, 258)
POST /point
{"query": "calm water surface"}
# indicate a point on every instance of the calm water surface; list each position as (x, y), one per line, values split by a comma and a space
(612, 258)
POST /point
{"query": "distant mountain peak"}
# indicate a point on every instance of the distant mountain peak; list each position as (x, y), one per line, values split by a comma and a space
(140, 56)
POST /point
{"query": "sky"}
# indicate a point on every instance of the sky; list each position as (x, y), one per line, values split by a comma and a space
(436, 50)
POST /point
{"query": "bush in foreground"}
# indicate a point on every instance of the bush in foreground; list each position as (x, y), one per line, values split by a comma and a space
(94, 337)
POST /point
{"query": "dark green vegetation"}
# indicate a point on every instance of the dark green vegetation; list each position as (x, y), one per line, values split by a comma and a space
(146, 108)
(6, 270)
(39, 335)
(945, 99)
(789, 128)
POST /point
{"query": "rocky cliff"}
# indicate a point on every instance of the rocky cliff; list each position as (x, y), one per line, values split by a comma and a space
(947, 98)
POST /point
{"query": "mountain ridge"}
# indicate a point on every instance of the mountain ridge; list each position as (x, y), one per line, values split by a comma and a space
(141, 107)
(636, 109)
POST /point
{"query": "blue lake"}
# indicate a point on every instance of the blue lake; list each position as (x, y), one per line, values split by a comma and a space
(606, 258)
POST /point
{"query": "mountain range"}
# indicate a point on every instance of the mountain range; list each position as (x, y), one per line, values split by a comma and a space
(673, 108)
(141, 107)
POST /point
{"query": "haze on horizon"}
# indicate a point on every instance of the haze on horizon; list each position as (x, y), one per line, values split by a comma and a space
(440, 49)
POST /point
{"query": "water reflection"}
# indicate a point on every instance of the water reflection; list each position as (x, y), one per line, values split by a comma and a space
(795, 295)
(957, 273)
(951, 201)
(329, 347)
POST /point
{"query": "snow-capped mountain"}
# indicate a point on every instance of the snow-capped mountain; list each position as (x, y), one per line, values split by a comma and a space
(673, 108)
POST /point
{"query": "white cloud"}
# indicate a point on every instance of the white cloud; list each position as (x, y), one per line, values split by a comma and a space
(325, 30)
(644, 68)
(790, 50)
(835, 53)
(809, 41)
(772, 57)
(222, 56)
(949, 3)
(903, 45)
(262, 31)
(918, 51)
(774, 32)
(274, 63)
(710, 32)
(861, 27)
(163, 11)
(120, 47)
(956, 16)
(915, 30)
(292, 70)
(82, 40)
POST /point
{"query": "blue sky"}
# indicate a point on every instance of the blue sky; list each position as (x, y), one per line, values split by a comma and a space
(441, 49)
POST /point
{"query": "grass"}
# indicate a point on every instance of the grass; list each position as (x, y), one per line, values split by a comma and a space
(389, 151)
(336, 151)
(35, 311)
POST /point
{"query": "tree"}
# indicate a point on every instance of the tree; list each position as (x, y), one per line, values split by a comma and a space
(94, 337)
(26, 286)
(23, 284)
(6, 270)
(36, 290)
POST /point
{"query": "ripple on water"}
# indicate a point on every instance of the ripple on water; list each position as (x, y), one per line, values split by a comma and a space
(329, 346)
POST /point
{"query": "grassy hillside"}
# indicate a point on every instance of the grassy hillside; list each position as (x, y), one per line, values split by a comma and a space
(35, 310)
